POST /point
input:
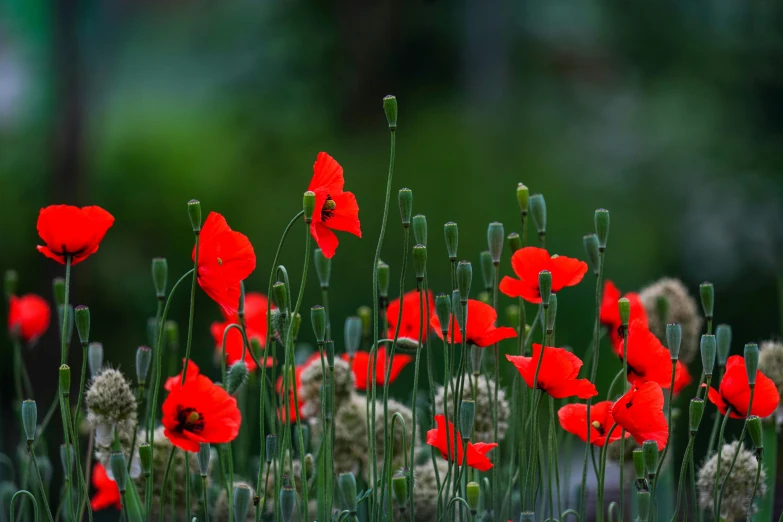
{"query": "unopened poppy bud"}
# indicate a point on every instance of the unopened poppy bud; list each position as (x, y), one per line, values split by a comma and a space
(551, 314)
(723, 336)
(390, 108)
(143, 360)
(117, 463)
(523, 197)
(270, 448)
(751, 362)
(457, 309)
(695, 413)
(160, 274)
(464, 279)
(66, 458)
(467, 414)
(405, 200)
(241, 304)
(420, 229)
(242, 497)
(171, 329)
(295, 325)
(451, 231)
(707, 348)
(400, 489)
(353, 334)
(650, 454)
(318, 320)
(514, 242)
(323, 267)
(420, 261)
(707, 292)
(443, 311)
(643, 503)
(280, 293)
(58, 289)
(476, 355)
(384, 277)
(29, 419)
(287, 500)
(487, 270)
(754, 428)
(194, 213)
(237, 375)
(591, 249)
(485, 297)
(602, 227)
(305, 431)
(495, 234)
(347, 483)
(538, 211)
(472, 496)
(329, 349)
(624, 307)
(308, 206)
(145, 459)
(309, 464)
(545, 286)
(10, 283)
(512, 315)
(82, 315)
(65, 379)
(95, 358)
(638, 464)
(674, 339)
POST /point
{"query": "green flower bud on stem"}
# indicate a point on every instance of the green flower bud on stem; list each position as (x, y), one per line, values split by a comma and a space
(487, 270)
(29, 419)
(280, 294)
(467, 414)
(237, 375)
(160, 274)
(309, 464)
(538, 211)
(545, 286)
(754, 428)
(405, 200)
(400, 490)
(10, 283)
(58, 289)
(443, 311)
(674, 339)
(707, 292)
(308, 206)
(751, 362)
(464, 279)
(495, 235)
(476, 355)
(707, 348)
(329, 349)
(551, 314)
(143, 361)
(638, 464)
(695, 413)
(318, 320)
(384, 277)
(145, 458)
(723, 336)
(287, 500)
(82, 315)
(451, 232)
(602, 227)
(117, 463)
(624, 306)
(523, 198)
(347, 483)
(241, 502)
(650, 454)
(420, 229)
(390, 108)
(270, 447)
(95, 358)
(65, 379)
(643, 501)
(591, 249)
(194, 213)
(457, 309)
(514, 242)
(472, 496)
(352, 334)
(323, 267)
(420, 261)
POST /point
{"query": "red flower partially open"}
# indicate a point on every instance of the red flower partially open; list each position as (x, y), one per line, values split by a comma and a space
(640, 413)
(573, 419)
(255, 327)
(682, 377)
(28, 317)
(225, 258)
(362, 361)
(734, 392)
(411, 316)
(476, 452)
(480, 329)
(107, 494)
(334, 209)
(648, 359)
(557, 375)
(72, 231)
(610, 313)
(528, 262)
(173, 383)
(200, 411)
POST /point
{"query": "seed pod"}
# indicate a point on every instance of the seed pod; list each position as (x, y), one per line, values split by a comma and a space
(472, 496)
(538, 211)
(194, 213)
(695, 413)
(323, 268)
(602, 227)
(383, 279)
(143, 361)
(754, 428)
(65, 379)
(650, 454)
(707, 292)
(643, 501)
(82, 314)
(241, 502)
(723, 336)
(280, 293)
(318, 320)
(347, 483)
(30, 419)
(495, 235)
(545, 286)
(467, 414)
(752, 362)
(400, 489)
(118, 469)
(514, 242)
(443, 311)
(237, 375)
(270, 448)
(308, 206)
(390, 108)
(551, 314)
(95, 358)
(487, 270)
(523, 198)
(674, 339)
(464, 278)
(707, 348)
(638, 464)
(160, 274)
(352, 334)
(451, 231)
(287, 500)
(405, 200)
(591, 249)
(624, 307)
(420, 229)
(145, 458)
(420, 261)
(457, 309)
(476, 355)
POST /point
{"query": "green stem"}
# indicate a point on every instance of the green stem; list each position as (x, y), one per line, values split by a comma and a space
(204, 498)
(739, 447)
(415, 391)
(192, 313)
(599, 508)
(717, 472)
(683, 468)
(755, 487)
(40, 480)
(496, 352)
(716, 421)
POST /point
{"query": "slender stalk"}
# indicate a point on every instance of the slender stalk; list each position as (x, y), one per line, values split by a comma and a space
(669, 422)
(204, 498)
(739, 447)
(496, 353)
(755, 487)
(534, 412)
(599, 513)
(192, 312)
(717, 472)
(41, 482)
(683, 468)
(415, 390)
(64, 402)
(716, 422)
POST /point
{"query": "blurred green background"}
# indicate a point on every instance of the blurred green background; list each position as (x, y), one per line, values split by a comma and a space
(668, 114)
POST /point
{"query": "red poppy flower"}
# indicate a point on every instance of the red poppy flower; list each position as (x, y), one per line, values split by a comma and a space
(28, 316)
(573, 419)
(200, 411)
(476, 452)
(528, 262)
(411, 316)
(480, 330)
(362, 361)
(334, 209)
(610, 313)
(648, 359)
(107, 494)
(640, 413)
(172, 383)
(72, 231)
(682, 377)
(255, 327)
(225, 258)
(557, 375)
(734, 392)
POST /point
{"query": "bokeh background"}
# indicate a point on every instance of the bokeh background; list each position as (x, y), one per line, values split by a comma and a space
(668, 114)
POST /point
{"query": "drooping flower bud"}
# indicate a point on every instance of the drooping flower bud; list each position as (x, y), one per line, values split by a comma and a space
(145, 459)
(384, 277)
(495, 235)
(65, 379)
(650, 454)
(241, 502)
(287, 500)
(95, 358)
(308, 206)
(309, 464)
(591, 249)
(674, 339)
(545, 286)
(514, 242)
(624, 307)
(695, 413)
(405, 200)
(443, 311)
(10, 283)
(194, 213)
(270, 450)
(751, 362)
(472, 496)
(464, 279)
(638, 464)
(29, 419)
(347, 483)
(707, 348)
(390, 108)
(451, 231)
(467, 414)
(487, 270)
(160, 274)
(58, 289)
(353, 334)
(551, 314)
(723, 336)
(420, 261)
(280, 293)
(754, 428)
(117, 463)
(523, 198)
(237, 375)
(538, 211)
(318, 320)
(420, 229)
(323, 268)
(400, 489)
(707, 292)
(82, 314)
(143, 361)
(602, 227)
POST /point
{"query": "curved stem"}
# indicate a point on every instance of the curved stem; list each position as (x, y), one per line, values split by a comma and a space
(755, 487)
(32, 500)
(739, 447)
(43, 489)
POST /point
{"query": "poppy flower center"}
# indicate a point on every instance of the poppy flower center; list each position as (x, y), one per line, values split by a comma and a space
(220, 262)
(598, 427)
(328, 209)
(189, 419)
